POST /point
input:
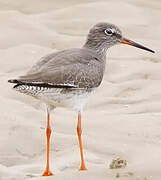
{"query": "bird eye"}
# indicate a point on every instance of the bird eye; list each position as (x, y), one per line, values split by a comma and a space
(109, 31)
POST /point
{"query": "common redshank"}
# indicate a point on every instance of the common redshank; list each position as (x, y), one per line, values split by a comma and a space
(67, 78)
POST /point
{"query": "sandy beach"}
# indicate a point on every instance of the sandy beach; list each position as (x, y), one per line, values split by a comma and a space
(123, 116)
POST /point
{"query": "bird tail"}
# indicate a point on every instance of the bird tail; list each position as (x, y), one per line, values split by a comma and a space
(15, 81)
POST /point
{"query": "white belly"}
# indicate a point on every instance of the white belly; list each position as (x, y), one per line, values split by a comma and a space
(75, 99)
(58, 97)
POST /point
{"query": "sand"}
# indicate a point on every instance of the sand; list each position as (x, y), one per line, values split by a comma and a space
(122, 118)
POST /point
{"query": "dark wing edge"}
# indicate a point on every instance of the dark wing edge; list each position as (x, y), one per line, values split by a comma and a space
(40, 84)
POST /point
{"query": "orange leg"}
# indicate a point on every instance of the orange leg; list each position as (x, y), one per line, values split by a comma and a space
(79, 132)
(48, 133)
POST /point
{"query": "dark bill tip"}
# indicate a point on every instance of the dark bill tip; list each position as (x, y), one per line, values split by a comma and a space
(132, 43)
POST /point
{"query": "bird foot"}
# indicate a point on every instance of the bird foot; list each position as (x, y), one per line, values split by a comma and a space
(47, 173)
(83, 168)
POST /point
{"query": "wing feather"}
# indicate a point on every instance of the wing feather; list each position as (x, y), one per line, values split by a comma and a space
(77, 68)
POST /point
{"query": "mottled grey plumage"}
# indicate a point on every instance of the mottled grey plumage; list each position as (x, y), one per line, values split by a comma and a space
(79, 68)
(73, 69)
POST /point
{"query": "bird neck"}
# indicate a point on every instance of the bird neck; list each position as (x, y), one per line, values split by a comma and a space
(97, 46)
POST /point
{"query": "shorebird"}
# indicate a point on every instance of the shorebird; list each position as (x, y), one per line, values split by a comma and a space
(67, 78)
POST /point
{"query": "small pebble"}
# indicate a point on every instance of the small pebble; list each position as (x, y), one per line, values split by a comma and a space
(118, 163)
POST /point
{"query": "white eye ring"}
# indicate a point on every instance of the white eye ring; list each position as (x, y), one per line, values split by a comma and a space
(109, 31)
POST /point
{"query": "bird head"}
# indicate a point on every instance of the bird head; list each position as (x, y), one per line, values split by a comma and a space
(107, 35)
